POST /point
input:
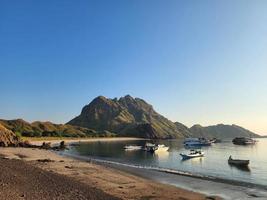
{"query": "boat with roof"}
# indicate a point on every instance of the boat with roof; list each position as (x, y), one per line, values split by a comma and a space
(197, 142)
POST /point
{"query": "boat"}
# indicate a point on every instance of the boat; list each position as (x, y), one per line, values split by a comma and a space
(215, 140)
(193, 154)
(149, 147)
(243, 141)
(241, 163)
(197, 142)
(132, 147)
(162, 147)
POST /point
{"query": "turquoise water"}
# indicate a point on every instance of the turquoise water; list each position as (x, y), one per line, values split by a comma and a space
(214, 163)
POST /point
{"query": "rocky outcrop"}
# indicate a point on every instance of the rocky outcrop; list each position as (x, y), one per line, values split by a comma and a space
(128, 116)
(7, 137)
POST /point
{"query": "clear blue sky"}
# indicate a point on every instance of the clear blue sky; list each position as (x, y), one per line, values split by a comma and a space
(196, 61)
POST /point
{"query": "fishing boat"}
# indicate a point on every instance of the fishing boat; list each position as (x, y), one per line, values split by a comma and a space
(241, 163)
(149, 147)
(243, 141)
(132, 147)
(192, 154)
(197, 142)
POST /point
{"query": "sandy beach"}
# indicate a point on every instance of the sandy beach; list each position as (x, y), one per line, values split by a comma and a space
(22, 164)
(56, 141)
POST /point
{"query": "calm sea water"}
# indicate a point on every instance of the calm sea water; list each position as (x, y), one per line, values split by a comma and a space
(213, 164)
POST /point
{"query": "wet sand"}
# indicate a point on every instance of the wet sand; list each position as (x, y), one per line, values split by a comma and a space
(209, 186)
(90, 177)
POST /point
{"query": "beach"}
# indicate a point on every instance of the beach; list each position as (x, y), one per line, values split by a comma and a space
(56, 141)
(33, 173)
(23, 166)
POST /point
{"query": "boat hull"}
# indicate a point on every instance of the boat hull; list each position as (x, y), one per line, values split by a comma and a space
(243, 141)
(240, 163)
(188, 156)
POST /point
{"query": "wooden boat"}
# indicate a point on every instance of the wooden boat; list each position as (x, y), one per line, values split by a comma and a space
(242, 163)
(243, 141)
(193, 154)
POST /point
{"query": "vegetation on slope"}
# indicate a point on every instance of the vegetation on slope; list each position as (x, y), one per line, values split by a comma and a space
(127, 116)
(221, 131)
(48, 129)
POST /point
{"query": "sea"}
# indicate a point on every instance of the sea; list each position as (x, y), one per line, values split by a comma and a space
(214, 164)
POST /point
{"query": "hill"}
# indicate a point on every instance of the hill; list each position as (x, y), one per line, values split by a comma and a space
(221, 131)
(48, 129)
(128, 116)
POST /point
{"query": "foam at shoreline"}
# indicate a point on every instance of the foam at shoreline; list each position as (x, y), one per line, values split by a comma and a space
(164, 170)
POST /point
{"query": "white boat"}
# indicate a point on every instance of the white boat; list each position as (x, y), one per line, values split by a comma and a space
(192, 154)
(132, 147)
(162, 147)
(196, 142)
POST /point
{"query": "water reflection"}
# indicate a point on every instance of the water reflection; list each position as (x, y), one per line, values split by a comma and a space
(162, 154)
(241, 168)
(214, 163)
(197, 160)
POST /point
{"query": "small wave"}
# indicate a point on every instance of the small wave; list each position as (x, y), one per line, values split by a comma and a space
(159, 169)
(163, 170)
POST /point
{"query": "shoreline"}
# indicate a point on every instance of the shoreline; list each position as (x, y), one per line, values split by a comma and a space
(119, 165)
(115, 182)
(219, 186)
(68, 141)
(210, 186)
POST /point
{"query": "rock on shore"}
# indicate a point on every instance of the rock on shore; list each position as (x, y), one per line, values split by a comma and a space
(7, 137)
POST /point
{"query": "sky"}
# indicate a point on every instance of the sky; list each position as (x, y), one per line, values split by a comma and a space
(197, 62)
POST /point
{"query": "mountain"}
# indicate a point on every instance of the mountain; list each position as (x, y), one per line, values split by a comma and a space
(7, 137)
(128, 116)
(44, 129)
(221, 131)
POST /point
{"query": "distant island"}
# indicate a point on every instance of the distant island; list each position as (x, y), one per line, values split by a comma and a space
(123, 117)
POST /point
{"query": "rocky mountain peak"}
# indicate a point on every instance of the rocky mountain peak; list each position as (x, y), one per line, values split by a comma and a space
(127, 116)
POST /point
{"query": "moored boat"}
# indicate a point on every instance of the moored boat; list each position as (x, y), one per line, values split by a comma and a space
(197, 142)
(215, 140)
(243, 141)
(149, 147)
(241, 163)
(132, 147)
(192, 154)
(162, 147)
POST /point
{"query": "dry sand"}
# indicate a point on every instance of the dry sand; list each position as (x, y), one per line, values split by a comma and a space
(105, 180)
(56, 141)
